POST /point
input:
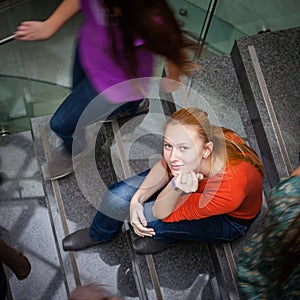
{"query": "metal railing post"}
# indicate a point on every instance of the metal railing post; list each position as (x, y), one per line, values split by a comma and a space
(207, 21)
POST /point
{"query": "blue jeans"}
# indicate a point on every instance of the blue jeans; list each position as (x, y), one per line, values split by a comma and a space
(64, 120)
(114, 209)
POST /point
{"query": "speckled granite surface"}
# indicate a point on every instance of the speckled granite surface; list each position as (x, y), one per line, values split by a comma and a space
(25, 223)
(19, 168)
(279, 60)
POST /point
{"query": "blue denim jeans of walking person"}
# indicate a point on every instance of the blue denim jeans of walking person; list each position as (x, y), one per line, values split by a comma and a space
(65, 119)
(114, 209)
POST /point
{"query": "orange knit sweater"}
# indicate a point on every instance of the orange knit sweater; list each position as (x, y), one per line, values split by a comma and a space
(236, 192)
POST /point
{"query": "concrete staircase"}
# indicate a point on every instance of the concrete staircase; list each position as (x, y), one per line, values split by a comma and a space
(255, 92)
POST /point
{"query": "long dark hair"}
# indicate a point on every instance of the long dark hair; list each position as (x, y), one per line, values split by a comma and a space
(155, 23)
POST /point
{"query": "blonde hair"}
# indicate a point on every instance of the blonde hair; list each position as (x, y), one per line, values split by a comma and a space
(227, 144)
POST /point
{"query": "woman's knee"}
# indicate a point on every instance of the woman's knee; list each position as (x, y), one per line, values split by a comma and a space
(55, 124)
(114, 206)
(59, 125)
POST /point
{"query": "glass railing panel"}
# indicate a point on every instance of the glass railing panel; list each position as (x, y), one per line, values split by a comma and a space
(253, 16)
(190, 15)
(50, 61)
(35, 76)
(234, 19)
(22, 99)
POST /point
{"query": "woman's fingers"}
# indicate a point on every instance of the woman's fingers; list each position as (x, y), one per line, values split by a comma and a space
(142, 231)
(138, 220)
(187, 181)
(33, 31)
(183, 178)
(141, 218)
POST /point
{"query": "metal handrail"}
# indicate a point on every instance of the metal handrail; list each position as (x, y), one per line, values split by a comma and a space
(7, 39)
(205, 28)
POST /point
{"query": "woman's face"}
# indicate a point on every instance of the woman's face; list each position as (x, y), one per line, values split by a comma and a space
(183, 149)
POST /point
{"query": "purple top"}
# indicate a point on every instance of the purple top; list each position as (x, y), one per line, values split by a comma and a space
(97, 60)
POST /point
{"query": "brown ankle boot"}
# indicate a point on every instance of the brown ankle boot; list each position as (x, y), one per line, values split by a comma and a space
(15, 260)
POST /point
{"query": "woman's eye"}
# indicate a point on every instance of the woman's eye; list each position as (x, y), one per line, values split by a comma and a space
(183, 148)
(168, 146)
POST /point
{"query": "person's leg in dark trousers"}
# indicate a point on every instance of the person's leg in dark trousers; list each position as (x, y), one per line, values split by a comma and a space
(65, 120)
(113, 210)
(210, 230)
(66, 117)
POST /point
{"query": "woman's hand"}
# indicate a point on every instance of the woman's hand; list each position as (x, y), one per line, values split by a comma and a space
(138, 220)
(187, 181)
(33, 31)
(39, 31)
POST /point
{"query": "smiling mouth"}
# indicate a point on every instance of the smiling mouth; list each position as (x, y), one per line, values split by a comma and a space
(176, 167)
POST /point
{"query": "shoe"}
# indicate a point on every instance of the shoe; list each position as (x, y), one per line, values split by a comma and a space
(15, 260)
(3, 283)
(59, 166)
(21, 267)
(79, 240)
(142, 109)
(149, 245)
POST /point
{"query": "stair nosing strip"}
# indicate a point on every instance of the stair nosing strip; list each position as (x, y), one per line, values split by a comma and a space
(231, 262)
(269, 106)
(60, 206)
(154, 276)
(127, 173)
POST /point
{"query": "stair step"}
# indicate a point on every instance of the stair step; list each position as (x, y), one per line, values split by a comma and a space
(268, 70)
(25, 222)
